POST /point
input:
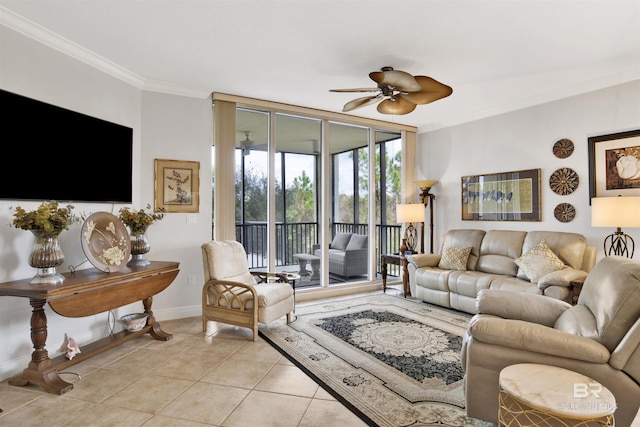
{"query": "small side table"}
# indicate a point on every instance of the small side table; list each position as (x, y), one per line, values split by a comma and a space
(395, 260)
(540, 395)
(576, 288)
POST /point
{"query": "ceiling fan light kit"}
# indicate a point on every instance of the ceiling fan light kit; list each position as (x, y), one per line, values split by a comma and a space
(398, 92)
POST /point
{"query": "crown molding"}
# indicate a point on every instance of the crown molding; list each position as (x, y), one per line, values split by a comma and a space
(48, 38)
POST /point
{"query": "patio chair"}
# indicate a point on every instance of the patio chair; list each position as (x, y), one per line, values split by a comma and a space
(234, 295)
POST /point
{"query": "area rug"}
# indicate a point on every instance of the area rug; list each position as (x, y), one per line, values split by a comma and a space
(392, 361)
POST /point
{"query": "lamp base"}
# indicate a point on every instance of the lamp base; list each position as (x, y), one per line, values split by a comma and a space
(619, 244)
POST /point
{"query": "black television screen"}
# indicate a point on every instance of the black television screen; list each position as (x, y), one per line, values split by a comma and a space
(51, 153)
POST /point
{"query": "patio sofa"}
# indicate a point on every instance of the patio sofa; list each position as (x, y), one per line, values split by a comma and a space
(348, 254)
(537, 262)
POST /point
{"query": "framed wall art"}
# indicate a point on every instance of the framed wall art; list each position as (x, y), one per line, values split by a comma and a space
(614, 164)
(177, 184)
(504, 196)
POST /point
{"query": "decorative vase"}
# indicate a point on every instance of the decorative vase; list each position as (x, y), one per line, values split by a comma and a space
(139, 246)
(45, 256)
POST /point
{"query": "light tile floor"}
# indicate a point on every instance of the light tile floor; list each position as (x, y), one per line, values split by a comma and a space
(215, 378)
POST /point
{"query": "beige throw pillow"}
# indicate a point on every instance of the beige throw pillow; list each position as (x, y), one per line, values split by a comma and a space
(540, 260)
(454, 258)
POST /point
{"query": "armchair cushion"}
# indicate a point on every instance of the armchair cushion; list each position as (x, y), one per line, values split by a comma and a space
(340, 241)
(538, 261)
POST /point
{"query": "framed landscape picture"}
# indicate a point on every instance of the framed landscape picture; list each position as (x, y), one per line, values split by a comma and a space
(614, 164)
(504, 196)
(177, 184)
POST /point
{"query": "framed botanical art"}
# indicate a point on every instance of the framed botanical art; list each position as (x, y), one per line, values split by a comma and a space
(177, 184)
(614, 164)
(504, 196)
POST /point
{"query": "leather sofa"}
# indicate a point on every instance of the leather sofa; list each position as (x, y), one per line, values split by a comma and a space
(534, 262)
(348, 254)
(598, 337)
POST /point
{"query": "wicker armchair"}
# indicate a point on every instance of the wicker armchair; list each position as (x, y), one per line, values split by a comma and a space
(234, 295)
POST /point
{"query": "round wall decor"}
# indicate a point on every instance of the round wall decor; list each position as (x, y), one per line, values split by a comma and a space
(563, 148)
(564, 181)
(564, 212)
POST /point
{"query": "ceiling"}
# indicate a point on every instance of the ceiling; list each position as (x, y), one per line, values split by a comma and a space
(498, 56)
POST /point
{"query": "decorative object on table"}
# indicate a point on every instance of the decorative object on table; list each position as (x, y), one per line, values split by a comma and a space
(69, 347)
(504, 196)
(564, 212)
(177, 186)
(425, 197)
(134, 322)
(409, 213)
(46, 223)
(138, 222)
(614, 164)
(564, 181)
(105, 242)
(616, 212)
(563, 148)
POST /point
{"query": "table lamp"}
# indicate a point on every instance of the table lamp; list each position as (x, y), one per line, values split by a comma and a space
(409, 213)
(616, 212)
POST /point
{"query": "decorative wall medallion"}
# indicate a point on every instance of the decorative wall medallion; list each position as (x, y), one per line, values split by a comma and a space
(564, 212)
(563, 148)
(564, 181)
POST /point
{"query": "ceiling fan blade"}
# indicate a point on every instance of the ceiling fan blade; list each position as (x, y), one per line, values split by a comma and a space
(361, 102)
(363, 89)
(432, 90)
(400, 80)
(397, 107)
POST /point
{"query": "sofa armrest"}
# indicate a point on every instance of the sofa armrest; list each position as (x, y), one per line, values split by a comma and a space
(520, 306)
(532, 337)
(562, 277)
(424, 260)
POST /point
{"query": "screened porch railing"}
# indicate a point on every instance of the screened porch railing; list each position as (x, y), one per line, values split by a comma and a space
(300, 237)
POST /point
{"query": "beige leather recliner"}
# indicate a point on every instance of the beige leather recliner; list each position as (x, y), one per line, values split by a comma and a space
(234, 295)
(599, 337)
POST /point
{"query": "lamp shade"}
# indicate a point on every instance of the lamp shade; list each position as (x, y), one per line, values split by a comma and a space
(410, 212)
(615, 212)
(426, 183)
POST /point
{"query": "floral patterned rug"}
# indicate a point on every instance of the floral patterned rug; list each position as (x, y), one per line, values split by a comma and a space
(393, 361)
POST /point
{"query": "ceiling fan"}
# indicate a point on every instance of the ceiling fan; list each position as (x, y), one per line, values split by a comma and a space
(399, 92)
(248, 144)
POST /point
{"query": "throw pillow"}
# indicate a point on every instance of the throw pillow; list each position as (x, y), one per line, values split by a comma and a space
(539, 261)
(340, 241)
(358, 241)
(455, 258)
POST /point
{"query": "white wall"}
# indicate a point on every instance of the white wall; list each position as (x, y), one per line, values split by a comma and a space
(165, 126)
(524, 140)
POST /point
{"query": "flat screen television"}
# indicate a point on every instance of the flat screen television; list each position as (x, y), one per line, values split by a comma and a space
(51, 153)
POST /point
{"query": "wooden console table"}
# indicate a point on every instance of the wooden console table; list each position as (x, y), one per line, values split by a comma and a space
(85, 293)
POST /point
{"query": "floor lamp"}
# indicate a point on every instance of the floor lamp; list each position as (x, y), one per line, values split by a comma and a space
(425, 197)
(616, 212)
(409, 213)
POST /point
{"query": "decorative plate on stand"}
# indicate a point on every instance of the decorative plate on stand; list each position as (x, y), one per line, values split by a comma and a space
(105, 242)
(563, 148)
(564, 212)
(564, 181)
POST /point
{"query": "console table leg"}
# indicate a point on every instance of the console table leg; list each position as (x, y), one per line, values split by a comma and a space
(156, 331)
(40, 369)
